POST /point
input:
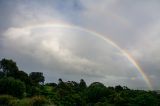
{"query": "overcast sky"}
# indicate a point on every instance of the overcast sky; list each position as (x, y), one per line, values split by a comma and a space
(72, 54)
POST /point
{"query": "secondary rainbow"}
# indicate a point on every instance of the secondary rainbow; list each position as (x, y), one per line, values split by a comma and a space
(107, 40)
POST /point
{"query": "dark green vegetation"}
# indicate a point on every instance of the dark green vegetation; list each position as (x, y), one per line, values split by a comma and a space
(17, 88)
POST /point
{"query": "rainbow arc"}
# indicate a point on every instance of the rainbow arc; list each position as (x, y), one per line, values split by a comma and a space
(107, 40)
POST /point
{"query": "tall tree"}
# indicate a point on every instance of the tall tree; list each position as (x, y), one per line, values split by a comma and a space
(23, 76)
(1, 74)
(37, 77)
(82, 84)
(96, 92)
(9, 67)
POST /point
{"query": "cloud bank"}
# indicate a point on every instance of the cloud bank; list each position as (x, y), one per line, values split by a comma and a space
(73, 54)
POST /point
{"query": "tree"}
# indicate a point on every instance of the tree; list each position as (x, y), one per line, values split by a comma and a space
(61, 84)
(51, 84)
(1, 74)
(118, 88)
(96, 92)
(82, 84)
(23, 76)
(144, 98)
(36, 77)
(9, 67)
(11, 86)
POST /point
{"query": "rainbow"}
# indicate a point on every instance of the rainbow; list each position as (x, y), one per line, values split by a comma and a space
(107, 40)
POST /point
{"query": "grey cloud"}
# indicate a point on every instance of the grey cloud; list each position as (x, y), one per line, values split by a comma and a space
(47, 47)
(133, 25)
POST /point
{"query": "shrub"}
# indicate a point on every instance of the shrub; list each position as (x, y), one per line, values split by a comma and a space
(12, 87)
(6, 100)
(39, 101)
(13, 102)
(25, 102)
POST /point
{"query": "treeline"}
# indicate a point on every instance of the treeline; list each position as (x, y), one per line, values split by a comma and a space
(17, 88)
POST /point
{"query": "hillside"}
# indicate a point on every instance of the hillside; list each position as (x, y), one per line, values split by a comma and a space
(17, 88)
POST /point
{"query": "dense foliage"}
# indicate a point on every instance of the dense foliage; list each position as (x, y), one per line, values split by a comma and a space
(10, 86)
(17, 88)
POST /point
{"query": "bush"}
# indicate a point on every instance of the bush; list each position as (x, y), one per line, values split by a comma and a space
(12, 87)
(33, 90)
(13, 102)
(6, 100)
(96, 92)
(39, 101)
(25, 102)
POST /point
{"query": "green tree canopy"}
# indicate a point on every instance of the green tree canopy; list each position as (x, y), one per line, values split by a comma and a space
(11, 86)
(9, 67)
(37, 77)
(95, 92)
(1, 74)
(82, 84)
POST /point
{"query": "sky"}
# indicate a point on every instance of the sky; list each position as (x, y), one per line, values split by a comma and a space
(57, 37)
